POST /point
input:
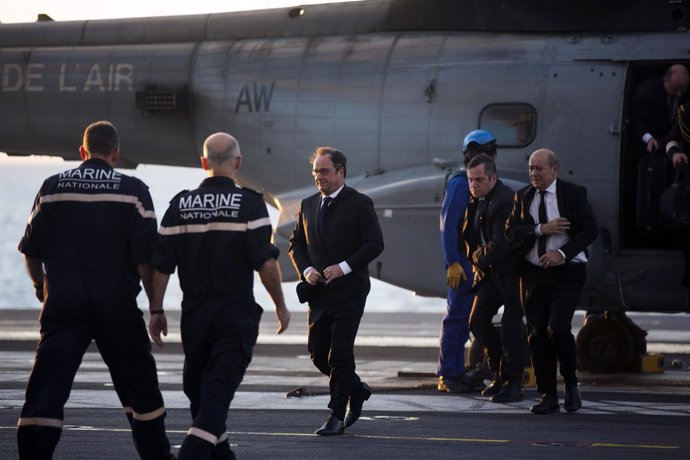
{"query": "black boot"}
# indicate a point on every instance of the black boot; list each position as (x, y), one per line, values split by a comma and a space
(495, 386)
(510, 392)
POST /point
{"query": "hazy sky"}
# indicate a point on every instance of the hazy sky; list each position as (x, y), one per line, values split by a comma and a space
(65, 10)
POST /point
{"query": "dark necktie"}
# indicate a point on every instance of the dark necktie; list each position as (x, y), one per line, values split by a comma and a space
(321, 217)
(541, 241)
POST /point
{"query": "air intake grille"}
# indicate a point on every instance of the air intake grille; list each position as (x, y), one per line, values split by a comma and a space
(159, 100)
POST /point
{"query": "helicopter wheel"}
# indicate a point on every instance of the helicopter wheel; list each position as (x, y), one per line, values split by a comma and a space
(604, 346)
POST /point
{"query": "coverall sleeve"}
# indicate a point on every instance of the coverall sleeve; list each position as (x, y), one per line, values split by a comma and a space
(259, 231)
(142, 227)
(30, 244)
(452, 213)
(165, 253)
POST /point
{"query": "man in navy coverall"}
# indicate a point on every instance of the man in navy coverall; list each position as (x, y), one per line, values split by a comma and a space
(217, 236)
(92, 229)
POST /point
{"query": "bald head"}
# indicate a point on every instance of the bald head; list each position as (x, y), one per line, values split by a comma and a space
(676, 80)
(543, 168)
(545, 155)
(220, 149)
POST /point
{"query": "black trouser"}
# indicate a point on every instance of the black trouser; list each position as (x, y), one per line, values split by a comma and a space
(686, 241)
(507, 351)
(81, 307)
(551, 296)
(331, 341)
(218, 337)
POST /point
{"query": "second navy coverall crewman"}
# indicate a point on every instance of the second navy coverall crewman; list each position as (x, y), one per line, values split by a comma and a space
(93, 230)
(217, 236)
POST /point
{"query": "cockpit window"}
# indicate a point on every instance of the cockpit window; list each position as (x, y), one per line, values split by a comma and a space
(513, 124)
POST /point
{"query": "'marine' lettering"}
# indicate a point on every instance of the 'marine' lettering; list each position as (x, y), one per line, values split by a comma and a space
(91, 174)
(210, 201)
(90, 179)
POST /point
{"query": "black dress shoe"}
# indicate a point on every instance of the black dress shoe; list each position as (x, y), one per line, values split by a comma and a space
(357, 399)
(547, 405)
(572, 398)
(332, 427)
(510, 392)
(494, 388)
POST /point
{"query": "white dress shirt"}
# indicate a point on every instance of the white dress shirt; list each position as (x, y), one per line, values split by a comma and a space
(555, 241)
(344, 266)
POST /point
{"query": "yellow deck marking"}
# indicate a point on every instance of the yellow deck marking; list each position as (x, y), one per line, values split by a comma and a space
(396, 438)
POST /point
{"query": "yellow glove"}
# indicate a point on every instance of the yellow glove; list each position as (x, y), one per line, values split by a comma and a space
(455, 275)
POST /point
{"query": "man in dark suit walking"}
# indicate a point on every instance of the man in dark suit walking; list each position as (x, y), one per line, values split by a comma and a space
(496, 281)
(336, 236)
(553, 224)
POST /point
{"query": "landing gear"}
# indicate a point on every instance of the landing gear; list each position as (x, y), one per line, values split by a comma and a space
(608, 343)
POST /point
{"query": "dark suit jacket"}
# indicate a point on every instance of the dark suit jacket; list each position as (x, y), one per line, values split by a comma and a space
(496, 253)
(352, 235)
(572, 204)
(650, 110)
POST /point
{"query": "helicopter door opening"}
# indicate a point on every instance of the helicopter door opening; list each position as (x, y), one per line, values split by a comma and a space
(644, 176)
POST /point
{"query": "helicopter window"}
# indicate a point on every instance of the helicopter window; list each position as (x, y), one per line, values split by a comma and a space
(513, 124)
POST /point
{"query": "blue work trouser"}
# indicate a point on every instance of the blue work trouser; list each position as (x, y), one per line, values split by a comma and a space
(455, 330)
